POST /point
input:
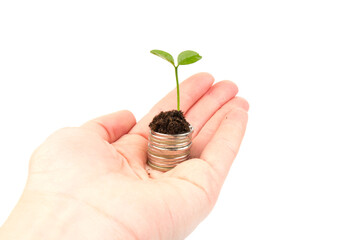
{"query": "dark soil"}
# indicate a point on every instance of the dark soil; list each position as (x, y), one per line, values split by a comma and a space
(170, 122)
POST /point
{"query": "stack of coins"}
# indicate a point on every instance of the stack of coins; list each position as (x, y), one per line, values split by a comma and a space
(166, 151)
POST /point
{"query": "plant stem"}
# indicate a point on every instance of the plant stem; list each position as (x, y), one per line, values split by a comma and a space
(177, 88)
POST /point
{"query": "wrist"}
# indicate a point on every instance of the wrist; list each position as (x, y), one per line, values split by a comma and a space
(46, 216)
(35, 217)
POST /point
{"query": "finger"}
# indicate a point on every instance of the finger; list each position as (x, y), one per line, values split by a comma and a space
(210, 127)
(214, 99)
(191, 90)
(222, 149)
(207, 174)
(112, 126)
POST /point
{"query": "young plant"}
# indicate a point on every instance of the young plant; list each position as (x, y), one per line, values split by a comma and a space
(184, 58)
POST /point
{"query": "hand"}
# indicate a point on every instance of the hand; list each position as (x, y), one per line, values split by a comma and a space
(92, 182)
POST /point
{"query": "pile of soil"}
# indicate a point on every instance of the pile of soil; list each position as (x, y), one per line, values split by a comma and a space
(170, 122)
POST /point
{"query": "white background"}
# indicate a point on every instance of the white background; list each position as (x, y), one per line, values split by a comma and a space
(297, 175)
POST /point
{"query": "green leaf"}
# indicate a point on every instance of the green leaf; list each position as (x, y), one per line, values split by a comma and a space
(164, 55)
(188, 57)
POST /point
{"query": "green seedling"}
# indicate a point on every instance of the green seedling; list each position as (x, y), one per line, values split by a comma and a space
(184, 58)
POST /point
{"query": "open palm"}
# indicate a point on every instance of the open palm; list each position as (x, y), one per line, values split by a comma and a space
(99, 169)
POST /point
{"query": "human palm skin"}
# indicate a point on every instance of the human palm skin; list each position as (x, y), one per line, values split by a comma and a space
(92, 182)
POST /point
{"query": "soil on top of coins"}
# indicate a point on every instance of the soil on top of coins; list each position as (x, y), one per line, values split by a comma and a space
(170, 122)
